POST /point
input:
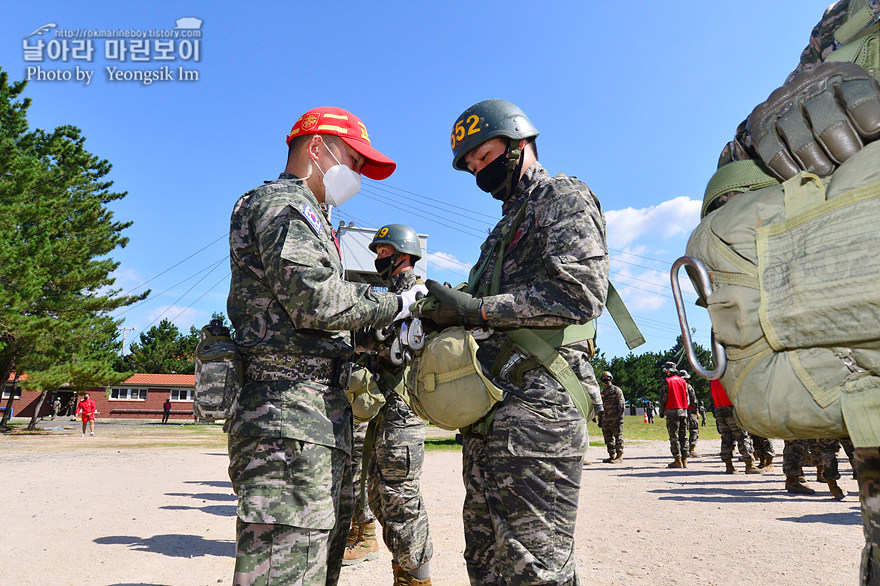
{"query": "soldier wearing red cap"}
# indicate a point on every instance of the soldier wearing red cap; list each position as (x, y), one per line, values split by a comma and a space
(290, 435)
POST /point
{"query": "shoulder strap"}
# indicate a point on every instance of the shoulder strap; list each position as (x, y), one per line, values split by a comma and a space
(622, 318)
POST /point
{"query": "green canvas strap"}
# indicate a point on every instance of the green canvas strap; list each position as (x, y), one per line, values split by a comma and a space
(855, 24)
(803, 191)
(622, 318)
(369, 442)
(527, 341)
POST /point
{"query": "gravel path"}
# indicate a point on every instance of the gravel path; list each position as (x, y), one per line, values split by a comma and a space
(123, 511)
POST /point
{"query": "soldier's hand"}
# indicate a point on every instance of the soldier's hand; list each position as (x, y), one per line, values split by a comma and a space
(453, 307)
(816, 121)
(407, 298)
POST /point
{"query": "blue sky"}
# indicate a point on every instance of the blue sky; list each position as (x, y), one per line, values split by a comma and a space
(636, 99)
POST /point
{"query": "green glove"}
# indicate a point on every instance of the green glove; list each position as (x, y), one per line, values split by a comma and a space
(453, 307)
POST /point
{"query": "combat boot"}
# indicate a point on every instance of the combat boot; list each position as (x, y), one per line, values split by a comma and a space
(729, 469)
(402, 578)
(609, 459)
(362, 546)
(797, 485)
(751, 469)
(693, 453)
(837, 492)
(684, 461)
(618, 458)
(675, 463)
(766, 464)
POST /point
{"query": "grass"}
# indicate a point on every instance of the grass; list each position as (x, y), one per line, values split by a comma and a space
(634, 429)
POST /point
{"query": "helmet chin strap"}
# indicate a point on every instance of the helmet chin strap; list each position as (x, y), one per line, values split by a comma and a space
(514, 166)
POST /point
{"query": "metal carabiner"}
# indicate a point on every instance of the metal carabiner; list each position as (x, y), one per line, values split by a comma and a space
(416, 334)
(396, 353)
(704, 289)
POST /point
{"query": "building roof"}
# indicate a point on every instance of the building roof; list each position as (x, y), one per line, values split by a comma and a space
(161, 380)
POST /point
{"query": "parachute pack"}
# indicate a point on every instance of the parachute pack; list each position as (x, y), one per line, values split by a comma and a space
(793, 292)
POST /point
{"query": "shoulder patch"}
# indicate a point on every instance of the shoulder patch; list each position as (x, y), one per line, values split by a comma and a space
(312, 218)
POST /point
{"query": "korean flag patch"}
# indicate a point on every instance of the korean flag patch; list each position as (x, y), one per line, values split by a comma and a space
(312, 218)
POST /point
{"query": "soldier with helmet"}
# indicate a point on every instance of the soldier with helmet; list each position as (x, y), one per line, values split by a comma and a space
(611, 420)
(395, 463)
(543, 269)
(290, 436)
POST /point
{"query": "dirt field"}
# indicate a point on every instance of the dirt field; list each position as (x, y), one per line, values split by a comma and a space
(153, 505)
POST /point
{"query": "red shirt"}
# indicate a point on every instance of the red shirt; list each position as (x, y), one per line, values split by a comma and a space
(677, 397)
(86, 407)
(719, 395)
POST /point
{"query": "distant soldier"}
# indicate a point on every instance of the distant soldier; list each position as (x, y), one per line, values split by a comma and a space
(56, 407)
(673, 406)
(730, 431)
(649, 409)
(611, 419)
(693, 416)
(702, 415)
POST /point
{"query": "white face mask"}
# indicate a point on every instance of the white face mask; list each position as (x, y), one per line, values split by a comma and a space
(340, 182)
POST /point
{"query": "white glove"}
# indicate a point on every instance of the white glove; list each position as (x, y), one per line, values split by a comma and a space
(408, 297)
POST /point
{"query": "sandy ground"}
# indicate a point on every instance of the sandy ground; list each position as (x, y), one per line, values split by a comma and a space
(128, 508)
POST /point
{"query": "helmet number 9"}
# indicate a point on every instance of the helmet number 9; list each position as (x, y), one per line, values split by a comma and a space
(459, 132)
(382, 233)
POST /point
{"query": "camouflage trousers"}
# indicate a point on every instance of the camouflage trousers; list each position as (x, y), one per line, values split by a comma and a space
(867, 467)
(613, 433)
(823, 452)
(763, 447)
(393, 484)
(362, 512)
(677, 426)
(294, 508)
(730, 433)
(522, 483)
(693, 427)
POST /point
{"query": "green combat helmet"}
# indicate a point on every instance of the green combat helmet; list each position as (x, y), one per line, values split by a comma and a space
(401, 238)
(487, 120)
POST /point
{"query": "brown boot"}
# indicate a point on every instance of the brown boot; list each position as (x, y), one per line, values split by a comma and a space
(797, 485)
(693, 453)
(676, 463)
(837, 492)
(751, 469)
(684, 461)
(618, 458)
(609, 459)
(729, 469)
(402, 578)
(365, 546)
(766, 464)
(820, 469)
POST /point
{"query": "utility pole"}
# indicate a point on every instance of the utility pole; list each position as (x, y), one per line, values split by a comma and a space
(124, 330)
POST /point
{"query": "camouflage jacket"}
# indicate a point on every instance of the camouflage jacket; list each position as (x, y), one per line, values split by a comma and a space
(554, 272)
(822, 42)
(614, 403)
(287, 294)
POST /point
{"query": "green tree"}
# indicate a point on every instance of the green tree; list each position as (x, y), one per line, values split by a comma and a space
(164, 349)
(56, 234)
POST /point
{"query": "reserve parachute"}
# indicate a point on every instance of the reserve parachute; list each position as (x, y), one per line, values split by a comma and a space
(794, 297)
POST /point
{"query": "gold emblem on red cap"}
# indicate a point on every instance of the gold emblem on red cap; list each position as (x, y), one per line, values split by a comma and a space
(309, 122)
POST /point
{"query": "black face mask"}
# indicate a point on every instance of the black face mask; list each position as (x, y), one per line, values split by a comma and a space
(385, 266)
(493, 178)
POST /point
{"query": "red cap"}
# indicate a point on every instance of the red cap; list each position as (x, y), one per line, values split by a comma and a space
(349, 128)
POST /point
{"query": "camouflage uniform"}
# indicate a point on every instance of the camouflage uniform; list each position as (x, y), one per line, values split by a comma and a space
(395, 469)
(693, 419)
(555, 272)
(763, 447)
(612, 418)
(290, 438)
(730, 433)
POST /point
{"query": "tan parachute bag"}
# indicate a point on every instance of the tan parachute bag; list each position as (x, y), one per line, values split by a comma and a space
(446, 384)
(364, 395)
(795, 299)
(219, 373)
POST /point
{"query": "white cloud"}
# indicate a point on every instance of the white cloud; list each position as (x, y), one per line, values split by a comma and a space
(445, 261)
(669, 218)
(187, 317)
